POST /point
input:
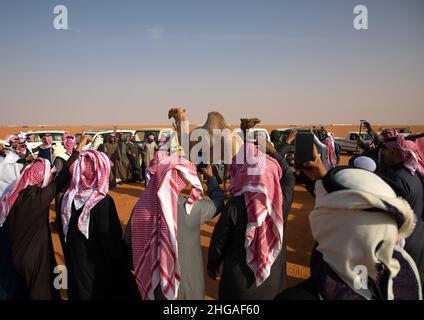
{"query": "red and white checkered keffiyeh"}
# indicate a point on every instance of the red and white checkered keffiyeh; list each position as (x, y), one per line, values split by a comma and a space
(412, 154)
(258, 179)
(89, 185)
(154, 225)
(151, 169)
(420, 146)
(11, 138)
(38, 171)
(21, 149)
(388, 133)
(331, 149)
(69, 142)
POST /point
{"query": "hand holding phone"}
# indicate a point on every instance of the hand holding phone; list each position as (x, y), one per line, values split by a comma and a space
(315, 169)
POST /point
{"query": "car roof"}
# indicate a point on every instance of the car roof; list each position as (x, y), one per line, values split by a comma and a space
(97, 130)
(283, 129)
(292, 128)
(153, 129)
(44, 131)
(109, 131)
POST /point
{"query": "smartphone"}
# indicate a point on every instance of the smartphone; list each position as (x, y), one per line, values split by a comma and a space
(304, 149)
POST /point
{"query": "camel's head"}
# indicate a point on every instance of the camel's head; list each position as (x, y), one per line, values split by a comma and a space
(248, 123)
(176, 113)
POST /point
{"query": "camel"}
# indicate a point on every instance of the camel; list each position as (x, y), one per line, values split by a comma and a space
(248, 123)
(214, 121)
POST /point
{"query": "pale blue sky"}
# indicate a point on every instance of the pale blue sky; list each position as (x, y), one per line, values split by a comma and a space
(128, 62)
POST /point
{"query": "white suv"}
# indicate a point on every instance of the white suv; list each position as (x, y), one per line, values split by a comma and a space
(34, 138)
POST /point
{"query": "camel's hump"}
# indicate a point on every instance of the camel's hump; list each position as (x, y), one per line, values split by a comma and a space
(215, 120)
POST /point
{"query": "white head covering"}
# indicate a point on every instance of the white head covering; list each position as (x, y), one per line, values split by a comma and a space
(365, 163)
(360, 226)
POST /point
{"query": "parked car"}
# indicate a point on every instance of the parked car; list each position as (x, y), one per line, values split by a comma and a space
(34, 138)
(141, 135)
(350, 142)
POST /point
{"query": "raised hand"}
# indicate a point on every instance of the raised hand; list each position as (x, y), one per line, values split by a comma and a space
(84, 140)
(315, 169)
(290, 138)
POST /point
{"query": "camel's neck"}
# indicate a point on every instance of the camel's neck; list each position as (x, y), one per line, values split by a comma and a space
(182, 128)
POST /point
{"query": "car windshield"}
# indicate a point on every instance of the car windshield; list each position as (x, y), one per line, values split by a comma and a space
(141, 135)
(37, 137)
(92, 134)
(117, 133)
(127, 134)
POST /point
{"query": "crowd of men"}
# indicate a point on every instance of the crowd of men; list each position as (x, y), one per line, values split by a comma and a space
(128, 157)
(368, 214)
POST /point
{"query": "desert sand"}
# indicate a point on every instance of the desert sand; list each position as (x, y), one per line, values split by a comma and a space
(299, 238)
